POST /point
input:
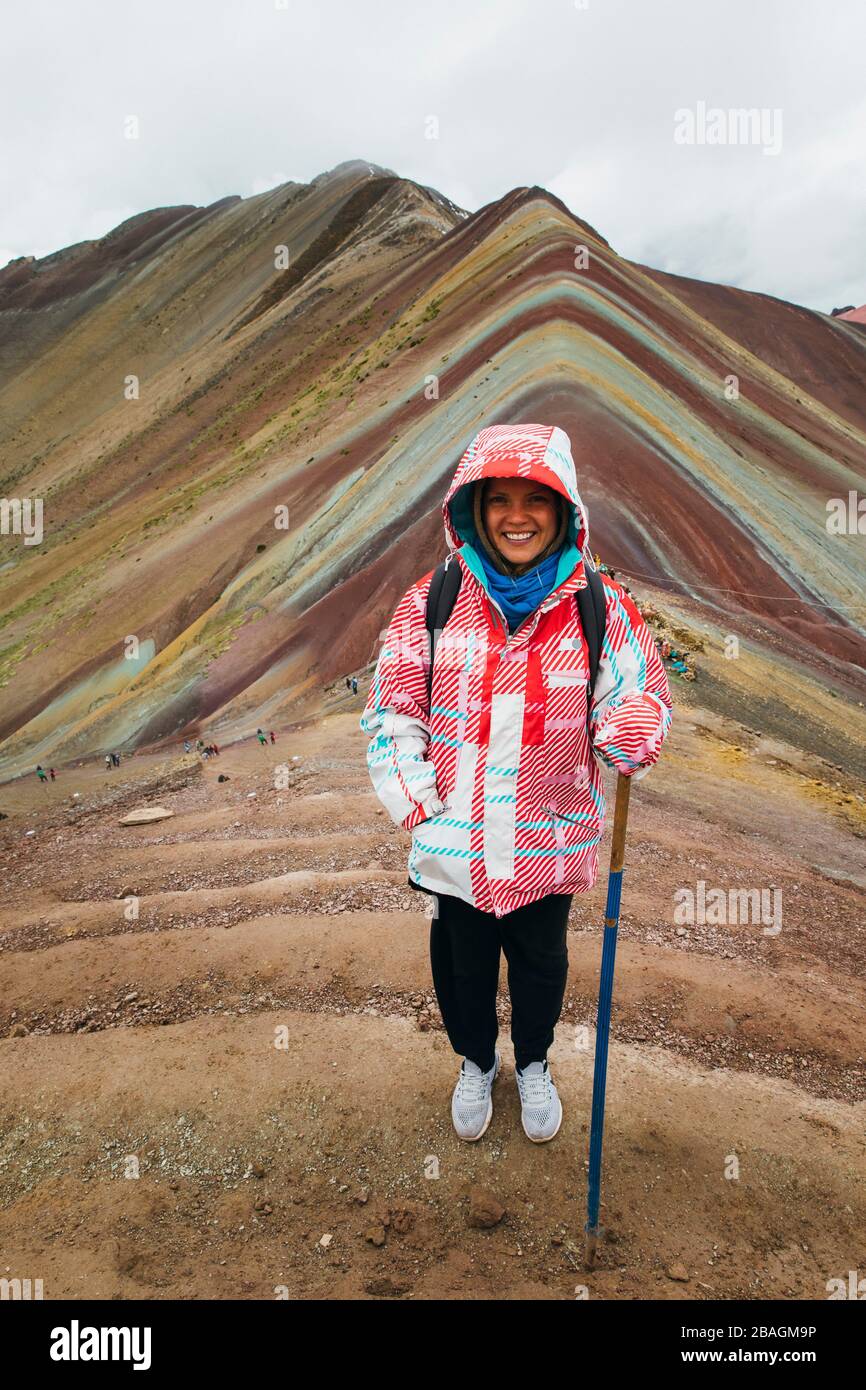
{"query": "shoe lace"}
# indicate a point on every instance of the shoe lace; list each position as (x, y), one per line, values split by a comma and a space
(536, 1088)
(472, 1087)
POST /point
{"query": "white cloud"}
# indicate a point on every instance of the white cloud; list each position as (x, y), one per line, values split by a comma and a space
(581, 101)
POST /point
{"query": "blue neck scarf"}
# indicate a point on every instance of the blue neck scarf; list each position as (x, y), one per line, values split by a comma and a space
(518, 597)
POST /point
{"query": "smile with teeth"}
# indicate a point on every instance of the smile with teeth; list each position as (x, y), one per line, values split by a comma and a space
(518, 537)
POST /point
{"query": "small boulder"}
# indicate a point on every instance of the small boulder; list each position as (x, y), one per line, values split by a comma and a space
(484, 1209)
(402, 1220)
(146, 815)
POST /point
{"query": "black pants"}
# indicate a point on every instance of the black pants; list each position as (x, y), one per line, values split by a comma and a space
(464, 956)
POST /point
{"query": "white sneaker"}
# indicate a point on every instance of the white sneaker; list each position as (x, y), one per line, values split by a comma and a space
(540, 1106)
(472, 1101)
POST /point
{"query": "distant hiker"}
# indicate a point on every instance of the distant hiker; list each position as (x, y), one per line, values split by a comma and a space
(494, 766)
(261, 738)
(216, 750)
(273, 739)
(53, 774)
(187, 746)
(354, 685)
(205, 752)
(41, 773)
(108, 762)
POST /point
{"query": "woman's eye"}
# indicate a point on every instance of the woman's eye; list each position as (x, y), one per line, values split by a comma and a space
(533, 501)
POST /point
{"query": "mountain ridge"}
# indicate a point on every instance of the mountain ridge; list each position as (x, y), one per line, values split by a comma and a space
(317, 402)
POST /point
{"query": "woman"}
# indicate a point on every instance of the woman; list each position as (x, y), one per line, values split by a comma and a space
(495, 775)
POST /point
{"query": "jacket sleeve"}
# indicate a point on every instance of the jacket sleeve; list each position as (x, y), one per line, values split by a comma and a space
(398, 718)
(631, 707)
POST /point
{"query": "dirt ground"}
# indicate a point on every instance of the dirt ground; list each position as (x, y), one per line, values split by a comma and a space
(224, 1073)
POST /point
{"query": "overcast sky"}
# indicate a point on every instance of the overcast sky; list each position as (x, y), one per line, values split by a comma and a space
(235, 96)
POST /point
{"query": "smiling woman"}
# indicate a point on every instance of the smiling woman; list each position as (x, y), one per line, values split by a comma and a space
(519, 521)
(521, 525)
(493, 768)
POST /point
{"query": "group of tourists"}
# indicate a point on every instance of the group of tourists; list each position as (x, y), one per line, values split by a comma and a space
(207, 750)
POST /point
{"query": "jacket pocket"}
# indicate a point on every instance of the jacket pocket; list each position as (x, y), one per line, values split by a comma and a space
(565, 748)
(579, 815)
(555, 678)
(577, 828)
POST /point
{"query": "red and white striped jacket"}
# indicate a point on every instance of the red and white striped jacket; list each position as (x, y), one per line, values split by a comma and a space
(496, 778)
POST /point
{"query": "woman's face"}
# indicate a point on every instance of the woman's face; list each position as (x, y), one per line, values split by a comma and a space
(520, 516)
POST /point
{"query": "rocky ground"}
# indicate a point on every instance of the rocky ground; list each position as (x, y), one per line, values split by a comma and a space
(224, 1072)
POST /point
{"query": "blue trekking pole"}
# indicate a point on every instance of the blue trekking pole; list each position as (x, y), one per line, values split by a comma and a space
(605, 994)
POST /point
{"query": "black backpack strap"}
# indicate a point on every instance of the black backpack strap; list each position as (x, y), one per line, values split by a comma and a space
(444, 588)
(593, 614)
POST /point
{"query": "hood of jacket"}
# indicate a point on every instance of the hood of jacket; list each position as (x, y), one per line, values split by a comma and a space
(540, 452)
